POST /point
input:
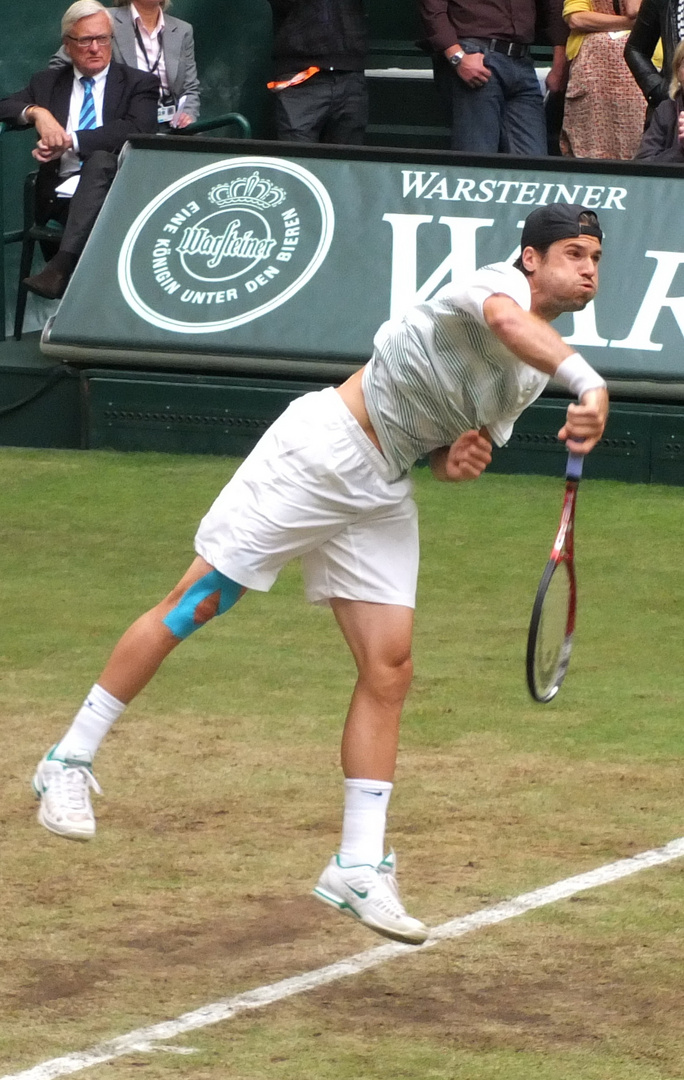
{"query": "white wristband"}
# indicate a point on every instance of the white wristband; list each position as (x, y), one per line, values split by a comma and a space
(577, 376)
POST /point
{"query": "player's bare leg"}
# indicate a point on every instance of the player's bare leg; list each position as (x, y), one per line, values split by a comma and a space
(64, 777)
(379, 636)
(140, 651)
(359, 880)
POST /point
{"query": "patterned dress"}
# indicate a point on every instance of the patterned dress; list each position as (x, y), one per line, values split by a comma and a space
(604, 108)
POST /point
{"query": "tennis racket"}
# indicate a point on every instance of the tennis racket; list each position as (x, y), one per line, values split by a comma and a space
(549, 641)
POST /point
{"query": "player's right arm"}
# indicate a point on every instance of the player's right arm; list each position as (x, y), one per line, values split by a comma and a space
(526, 335)
(538, 344)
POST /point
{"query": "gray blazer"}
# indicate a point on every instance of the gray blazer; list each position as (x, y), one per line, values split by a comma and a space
(179, 55)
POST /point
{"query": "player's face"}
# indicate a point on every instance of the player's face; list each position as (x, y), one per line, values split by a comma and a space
(565, 277)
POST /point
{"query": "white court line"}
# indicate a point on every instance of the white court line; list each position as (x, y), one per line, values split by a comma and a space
(147, 1039)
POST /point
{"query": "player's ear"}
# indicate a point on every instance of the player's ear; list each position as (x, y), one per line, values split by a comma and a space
(530, 259)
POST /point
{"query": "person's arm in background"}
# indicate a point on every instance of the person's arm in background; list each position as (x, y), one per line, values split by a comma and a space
(580, 15)
(441, 37)
(22, 109)
(639, 50)
(551, 25)
(191, 84)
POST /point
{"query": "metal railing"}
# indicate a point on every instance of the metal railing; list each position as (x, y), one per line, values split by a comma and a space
(12, 237)
(232, 119)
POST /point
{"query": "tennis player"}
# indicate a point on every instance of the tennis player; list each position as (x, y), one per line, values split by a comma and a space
(328, 483)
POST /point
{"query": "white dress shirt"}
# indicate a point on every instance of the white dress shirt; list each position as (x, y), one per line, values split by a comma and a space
(71, 162)
(153, 47)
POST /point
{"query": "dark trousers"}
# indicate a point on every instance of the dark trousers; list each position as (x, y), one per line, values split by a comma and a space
(78, 214)
(506, 115)
(330, 107)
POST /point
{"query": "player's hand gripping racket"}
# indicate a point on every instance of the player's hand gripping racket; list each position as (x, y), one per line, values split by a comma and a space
(549, 642)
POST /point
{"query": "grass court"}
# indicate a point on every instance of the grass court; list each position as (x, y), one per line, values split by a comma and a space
(222, 794)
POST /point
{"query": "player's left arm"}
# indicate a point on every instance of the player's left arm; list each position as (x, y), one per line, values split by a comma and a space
(465, 459)
(538, 344)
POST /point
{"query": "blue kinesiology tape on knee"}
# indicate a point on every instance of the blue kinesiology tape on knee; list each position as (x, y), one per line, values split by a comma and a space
(181, 619)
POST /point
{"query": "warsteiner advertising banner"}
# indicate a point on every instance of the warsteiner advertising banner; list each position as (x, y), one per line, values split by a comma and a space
(244, 253)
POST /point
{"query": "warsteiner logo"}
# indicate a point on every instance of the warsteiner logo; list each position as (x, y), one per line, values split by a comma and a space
(225, 245)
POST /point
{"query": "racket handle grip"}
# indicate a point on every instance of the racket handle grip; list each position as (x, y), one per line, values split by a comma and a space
(573, 470)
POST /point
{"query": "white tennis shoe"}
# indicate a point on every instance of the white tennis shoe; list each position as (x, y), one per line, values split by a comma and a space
(370, 894)
(63, 787)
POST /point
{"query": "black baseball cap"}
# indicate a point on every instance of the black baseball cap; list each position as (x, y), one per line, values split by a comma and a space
(560, 221)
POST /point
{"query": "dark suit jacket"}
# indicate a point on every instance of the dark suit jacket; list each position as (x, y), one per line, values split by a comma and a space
(129, 107)
(656, 19)
(179, 55)
(660, 141)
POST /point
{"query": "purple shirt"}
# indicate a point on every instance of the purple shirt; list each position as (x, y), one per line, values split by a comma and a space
(447, 21)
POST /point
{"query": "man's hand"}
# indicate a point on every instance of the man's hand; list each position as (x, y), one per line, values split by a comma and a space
(182, 120)
(473, 70)
(43, 153)
(557, 78)
(51, 134)
(585, 422)
(53, 140)
(465, 459)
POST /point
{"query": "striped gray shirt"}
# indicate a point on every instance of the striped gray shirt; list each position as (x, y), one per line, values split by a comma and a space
(441, 371)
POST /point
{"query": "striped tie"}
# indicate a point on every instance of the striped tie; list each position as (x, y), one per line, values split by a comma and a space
(88, 118)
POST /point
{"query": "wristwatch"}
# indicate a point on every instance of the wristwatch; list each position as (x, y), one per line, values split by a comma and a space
(455, 58)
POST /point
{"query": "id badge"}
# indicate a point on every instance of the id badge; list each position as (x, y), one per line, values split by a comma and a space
(165, 113)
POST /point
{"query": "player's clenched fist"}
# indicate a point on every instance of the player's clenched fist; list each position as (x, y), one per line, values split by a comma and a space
(465, 459)
(585, 422)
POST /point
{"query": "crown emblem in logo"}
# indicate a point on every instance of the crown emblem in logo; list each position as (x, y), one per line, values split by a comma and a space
(248, 191)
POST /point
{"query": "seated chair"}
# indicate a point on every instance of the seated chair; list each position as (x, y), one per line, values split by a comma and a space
(49, 235)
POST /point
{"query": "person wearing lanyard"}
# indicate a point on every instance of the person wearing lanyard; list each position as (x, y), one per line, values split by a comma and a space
(167, 49)
(148, 27)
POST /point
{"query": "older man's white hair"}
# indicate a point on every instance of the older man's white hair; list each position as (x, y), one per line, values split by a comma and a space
(81, 10)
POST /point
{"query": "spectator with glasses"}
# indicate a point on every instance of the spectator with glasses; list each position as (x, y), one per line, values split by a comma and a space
(83, 114)
(145, 37)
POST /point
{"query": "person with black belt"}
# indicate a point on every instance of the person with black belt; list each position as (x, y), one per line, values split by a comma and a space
(481, 57)
(319, 56)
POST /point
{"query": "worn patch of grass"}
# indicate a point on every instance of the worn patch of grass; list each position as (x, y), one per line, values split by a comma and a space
(222, 798)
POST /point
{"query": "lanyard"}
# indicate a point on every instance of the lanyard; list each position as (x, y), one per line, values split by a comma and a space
(151, 68)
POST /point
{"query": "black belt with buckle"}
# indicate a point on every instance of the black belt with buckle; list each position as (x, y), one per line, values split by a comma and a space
(508, 48)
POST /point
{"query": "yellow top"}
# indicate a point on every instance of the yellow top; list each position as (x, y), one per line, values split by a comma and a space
(577, 36)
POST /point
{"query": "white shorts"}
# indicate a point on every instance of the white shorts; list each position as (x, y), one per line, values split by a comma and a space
(316, 488)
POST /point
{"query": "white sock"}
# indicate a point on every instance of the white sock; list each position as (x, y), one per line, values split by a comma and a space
(91, 723)
(363, 825)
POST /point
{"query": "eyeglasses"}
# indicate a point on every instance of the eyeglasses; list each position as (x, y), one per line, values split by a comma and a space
(86, 42)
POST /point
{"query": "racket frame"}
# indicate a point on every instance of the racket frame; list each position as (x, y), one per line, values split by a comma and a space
(563, 551)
